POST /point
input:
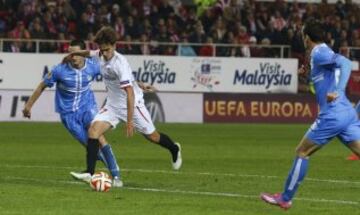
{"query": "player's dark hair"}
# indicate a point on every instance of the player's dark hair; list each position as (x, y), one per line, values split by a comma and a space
(79, 43)
(314, 29)
(106, 35)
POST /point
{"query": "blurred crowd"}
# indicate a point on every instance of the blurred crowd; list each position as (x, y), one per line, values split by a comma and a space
(205, 22)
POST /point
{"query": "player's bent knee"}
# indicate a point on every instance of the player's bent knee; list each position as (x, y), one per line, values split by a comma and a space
(306, 150)
(102, 140)
(302, 151)
(154, 137)
(93, 132)
(302, 154)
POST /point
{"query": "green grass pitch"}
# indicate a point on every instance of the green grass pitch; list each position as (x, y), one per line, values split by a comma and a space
(225, 168)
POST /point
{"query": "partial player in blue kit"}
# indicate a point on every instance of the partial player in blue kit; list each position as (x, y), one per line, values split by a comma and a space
(75, 102)
(353, 156)
(330, 73)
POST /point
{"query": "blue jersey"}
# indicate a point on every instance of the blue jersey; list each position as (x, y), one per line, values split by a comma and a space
(326, 75)
(73, 90)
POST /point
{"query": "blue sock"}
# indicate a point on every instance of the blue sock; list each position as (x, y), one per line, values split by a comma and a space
(101, 158)
(296, 175)
(110, 160)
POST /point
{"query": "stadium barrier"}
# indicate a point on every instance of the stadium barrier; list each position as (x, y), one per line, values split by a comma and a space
(164, 107)
(152, 47)
(185, 107)
(270, 108)
(191, 89)
(170, 74)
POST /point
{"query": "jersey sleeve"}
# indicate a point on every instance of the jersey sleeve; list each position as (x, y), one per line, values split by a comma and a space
(125, 73)
(324, 56)
(51, 77)
(95, 54)
(95, 64)
(344, 65)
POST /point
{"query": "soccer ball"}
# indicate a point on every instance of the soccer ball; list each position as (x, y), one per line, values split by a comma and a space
(100, 182)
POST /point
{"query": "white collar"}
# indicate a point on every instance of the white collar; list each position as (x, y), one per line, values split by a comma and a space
(317, 47)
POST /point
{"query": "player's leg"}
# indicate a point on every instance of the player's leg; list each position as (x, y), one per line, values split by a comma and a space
(96, 130)
(77, 123)
(73, 127)
(355, 156)
(355, 147)
(109, 156)
(296, 175)
(77, 127)
(144, 124)
(103, 121)
(320, 133)
(72, 123)
(166, 142)
(351, 137)
(299, 167)
(105, 151)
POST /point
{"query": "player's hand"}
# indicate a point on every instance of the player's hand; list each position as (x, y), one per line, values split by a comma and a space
(27, 112)
(302, 70)
(330, 97)
(129, 129)
(67, 59)
(147, 88)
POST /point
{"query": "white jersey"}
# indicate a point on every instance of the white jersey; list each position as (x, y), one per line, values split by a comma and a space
(117, 74)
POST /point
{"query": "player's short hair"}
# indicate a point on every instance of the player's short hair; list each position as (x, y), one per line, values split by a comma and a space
(315, 30)
(105, 35)
(79, 43)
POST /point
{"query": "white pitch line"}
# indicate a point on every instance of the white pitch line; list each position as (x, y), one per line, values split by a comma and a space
(187, 192)
(189, 173)
(202, 193)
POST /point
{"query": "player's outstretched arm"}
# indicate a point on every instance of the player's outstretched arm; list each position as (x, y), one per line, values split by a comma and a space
(36, 94)
(82, 53)
(130, 111)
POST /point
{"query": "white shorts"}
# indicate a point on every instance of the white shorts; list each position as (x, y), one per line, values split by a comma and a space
(142, 118)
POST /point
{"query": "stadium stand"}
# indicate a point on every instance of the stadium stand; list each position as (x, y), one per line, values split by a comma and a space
(147, 22)
(236, 28)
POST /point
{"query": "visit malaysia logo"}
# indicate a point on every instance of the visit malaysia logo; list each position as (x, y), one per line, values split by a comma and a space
(155, 71)
(205, 73)
(267, 75)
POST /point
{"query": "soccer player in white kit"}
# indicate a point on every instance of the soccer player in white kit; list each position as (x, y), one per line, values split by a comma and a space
(124, 102)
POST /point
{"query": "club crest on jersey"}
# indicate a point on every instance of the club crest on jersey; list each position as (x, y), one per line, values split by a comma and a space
(89, 78)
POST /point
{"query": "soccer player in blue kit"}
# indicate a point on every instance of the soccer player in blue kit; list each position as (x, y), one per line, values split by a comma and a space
(75, 102)
(353, 156)
(337, 117)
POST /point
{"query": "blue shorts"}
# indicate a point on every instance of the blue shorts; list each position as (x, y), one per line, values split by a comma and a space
(345, 125)
(77, 123)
